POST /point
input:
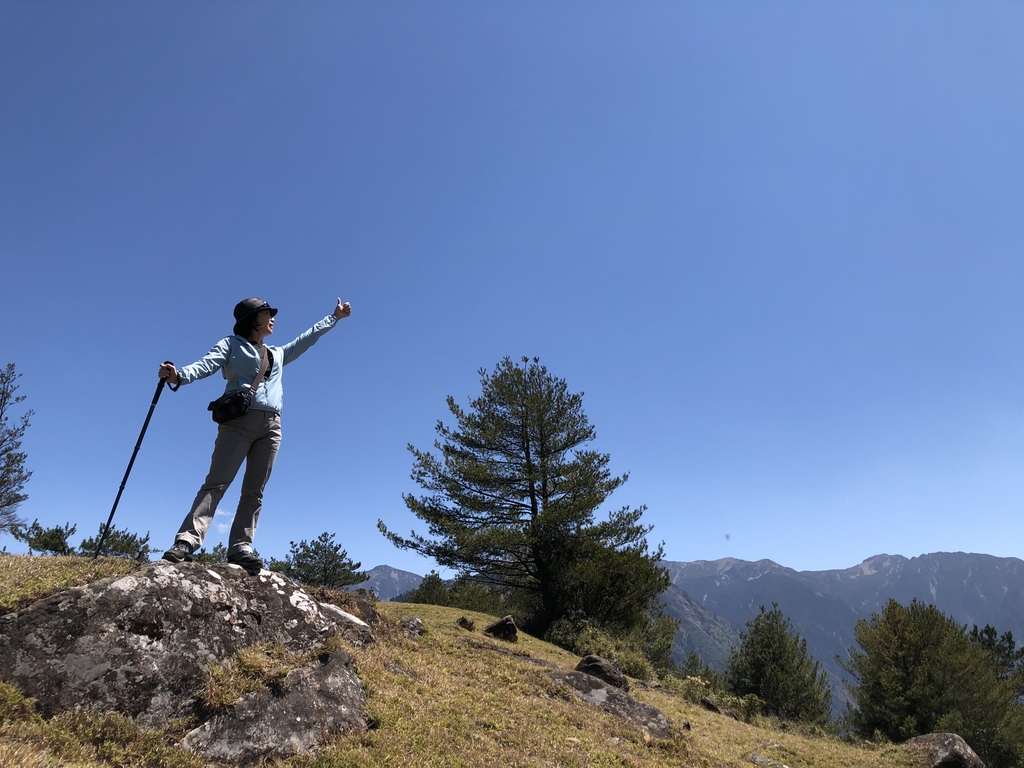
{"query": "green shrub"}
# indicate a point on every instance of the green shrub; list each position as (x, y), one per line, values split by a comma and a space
(431, 591)
(118, 543)
(464, 592)
(586, 639)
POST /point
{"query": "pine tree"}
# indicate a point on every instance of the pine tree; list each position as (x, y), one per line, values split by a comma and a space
(1004, 653)
(511, 500)
(320, 563)
(772, 662)
(52, 540)
(13, 475)
(462, 592)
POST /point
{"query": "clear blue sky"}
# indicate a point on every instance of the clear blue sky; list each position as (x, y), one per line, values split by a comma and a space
(778, 245)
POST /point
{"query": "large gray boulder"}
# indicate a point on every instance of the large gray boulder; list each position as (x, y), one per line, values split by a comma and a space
(944, 750)
(144, 644)
(603, 669)
(291, 719)
(598, 693)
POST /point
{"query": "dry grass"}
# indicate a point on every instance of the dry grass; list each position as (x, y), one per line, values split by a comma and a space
(24, 578)
(24, 756)
(448, 698)
(732, 742)
(461, 699)
(454, 698)
(254, 668)
(84, 739)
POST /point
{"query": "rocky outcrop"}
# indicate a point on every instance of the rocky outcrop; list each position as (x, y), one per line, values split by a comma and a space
(603, 669)
(361, 602)
(291, 719)
(173, 641)
(944, 750)
(144, 645)
(600, 694)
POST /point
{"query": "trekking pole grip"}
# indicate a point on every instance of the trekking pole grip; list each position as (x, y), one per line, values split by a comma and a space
(172, 387)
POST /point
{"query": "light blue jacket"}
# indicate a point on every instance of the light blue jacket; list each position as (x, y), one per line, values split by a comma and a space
(237, 359)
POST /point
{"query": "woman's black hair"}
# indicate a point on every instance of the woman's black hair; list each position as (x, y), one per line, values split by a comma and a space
(246, 325)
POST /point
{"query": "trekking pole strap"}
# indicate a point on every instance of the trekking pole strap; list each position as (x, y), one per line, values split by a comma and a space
(172, 387)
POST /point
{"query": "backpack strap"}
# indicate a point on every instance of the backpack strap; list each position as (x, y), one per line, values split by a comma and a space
(262, 372)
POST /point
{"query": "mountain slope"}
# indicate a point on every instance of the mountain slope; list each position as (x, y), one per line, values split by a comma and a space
(439, 695)
(700, 630)
(824, 606)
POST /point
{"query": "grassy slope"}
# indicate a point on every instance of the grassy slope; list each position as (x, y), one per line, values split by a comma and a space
(449, 698)
(24, 579)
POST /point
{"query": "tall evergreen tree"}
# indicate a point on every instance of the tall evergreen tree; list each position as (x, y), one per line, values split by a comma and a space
(512, 497)
(772, 662)
(917, 671)
(13, 475)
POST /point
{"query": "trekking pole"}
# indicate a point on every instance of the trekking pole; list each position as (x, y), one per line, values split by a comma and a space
(145, 425)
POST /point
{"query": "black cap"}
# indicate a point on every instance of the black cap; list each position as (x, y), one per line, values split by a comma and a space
(246, 307)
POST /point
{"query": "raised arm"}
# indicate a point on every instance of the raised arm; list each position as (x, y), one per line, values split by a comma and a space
(294, 348)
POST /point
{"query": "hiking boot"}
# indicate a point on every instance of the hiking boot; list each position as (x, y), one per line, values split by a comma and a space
(248, 561)
(180, 551)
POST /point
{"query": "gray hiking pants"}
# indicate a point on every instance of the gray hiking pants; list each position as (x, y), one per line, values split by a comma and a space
(255, 438)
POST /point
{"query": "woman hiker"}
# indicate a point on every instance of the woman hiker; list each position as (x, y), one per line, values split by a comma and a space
(253, 436)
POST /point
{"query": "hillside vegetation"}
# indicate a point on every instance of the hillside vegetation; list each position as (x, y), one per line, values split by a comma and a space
(449, 697)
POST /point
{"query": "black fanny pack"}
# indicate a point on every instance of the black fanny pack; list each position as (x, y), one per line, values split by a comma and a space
(234, 404)
(230, 406)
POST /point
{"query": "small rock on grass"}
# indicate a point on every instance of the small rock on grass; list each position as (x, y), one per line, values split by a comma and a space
(758, 759)
(503, 629)
(413, 627)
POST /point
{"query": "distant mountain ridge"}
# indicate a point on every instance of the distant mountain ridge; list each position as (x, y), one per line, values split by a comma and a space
(387, 582)
(824, 606)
